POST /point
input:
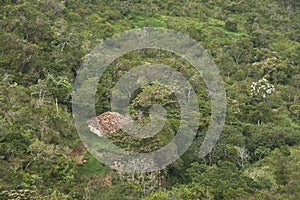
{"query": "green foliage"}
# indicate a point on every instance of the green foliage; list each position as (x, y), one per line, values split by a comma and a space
(190, 191)
(131, 143)
(91, 166)
(278, 174)
(272, 136)
(19, 194)
(231, 26)
(225, 180)
(43, 44)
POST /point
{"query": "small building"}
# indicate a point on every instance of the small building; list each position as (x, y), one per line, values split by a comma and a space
(107, 122)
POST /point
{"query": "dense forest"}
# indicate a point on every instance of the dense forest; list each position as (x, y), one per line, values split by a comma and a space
(254, 43)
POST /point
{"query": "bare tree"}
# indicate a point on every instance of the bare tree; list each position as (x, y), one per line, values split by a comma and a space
(243, 154)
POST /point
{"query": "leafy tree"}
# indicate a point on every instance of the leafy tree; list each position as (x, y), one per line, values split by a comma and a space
(223, 179)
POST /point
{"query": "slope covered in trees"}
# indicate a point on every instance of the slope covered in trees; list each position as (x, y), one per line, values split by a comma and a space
(256, 46)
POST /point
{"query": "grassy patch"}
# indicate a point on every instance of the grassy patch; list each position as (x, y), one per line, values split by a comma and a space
(92, 166)
(234, 34)
(144, 20)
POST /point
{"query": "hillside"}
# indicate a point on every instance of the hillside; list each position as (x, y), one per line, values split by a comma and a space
(255, 45)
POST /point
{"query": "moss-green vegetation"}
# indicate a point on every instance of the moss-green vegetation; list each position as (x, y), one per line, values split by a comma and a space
(42, 47)
(91, 166)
